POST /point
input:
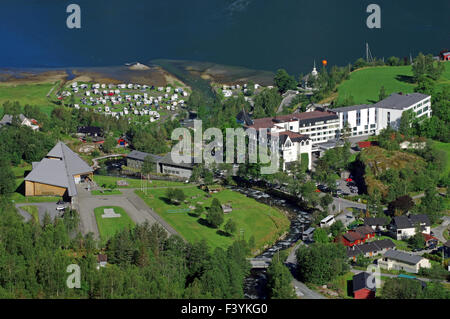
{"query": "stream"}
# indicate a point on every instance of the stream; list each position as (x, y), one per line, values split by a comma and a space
(255, 284)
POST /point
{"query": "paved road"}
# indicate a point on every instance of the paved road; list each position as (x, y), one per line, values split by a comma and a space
(439, 231)
(43, 208)
(343, 204)
(301, 289)
(136, 208)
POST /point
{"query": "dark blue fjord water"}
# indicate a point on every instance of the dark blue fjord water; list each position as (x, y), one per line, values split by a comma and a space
(258, 34)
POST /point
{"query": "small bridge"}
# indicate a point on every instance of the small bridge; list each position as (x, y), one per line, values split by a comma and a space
(95, 160)
(260, 263)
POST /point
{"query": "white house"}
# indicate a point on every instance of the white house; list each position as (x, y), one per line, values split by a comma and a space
(404, 227)
(400, 260)
(23, 120)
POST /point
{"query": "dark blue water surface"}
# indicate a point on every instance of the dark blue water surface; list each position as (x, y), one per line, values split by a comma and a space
(259, 34)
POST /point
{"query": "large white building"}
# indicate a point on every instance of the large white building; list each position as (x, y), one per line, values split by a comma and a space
(299, 132)
(305, 133)
(371, 119)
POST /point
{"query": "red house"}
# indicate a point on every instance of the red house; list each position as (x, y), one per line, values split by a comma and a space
(364, 286)
(357, 236)
(446, 56)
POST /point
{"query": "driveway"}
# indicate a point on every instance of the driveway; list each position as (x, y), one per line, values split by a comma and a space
(135, 207)
(439, 231)
(301, 289)
(43, 208)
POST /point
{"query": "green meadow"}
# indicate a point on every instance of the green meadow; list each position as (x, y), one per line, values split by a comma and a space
(365, 84)
(32, 94)
(108, 227)
(263, 222)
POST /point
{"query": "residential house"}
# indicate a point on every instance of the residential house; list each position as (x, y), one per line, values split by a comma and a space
(404, 227)
(364, 286)
(23, 120)
(370, 249)
(377, 224)
(400, 260)
(94, 132)
(356, 236)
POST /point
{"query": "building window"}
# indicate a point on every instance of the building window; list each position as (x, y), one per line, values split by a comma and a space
(388, 118)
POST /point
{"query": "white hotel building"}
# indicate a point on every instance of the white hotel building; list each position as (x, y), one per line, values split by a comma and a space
(303, 133)
(366, 120)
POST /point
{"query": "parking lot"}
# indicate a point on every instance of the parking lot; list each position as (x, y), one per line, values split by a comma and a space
(43, 208)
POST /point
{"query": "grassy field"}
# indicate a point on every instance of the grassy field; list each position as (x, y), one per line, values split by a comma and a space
(33, 94)
(445, 147)
(134, 183)
(32, 210)
(109, 226)
(265, 223)
(365, 84)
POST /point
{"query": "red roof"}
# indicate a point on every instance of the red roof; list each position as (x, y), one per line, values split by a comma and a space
(365, 144)
(428, 237)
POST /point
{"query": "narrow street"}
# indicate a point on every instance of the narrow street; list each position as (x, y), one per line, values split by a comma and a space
(302, 291)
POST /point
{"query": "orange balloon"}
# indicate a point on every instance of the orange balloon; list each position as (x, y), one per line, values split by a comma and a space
(324, 62)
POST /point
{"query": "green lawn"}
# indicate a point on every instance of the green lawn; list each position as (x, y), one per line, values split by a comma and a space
(134, 183)
(445, 147)
(106, 192)
(340, 284)
(32, 210)
(110, 226)
(265, 223)
(365, 84)
(19, 198)
(33, 94)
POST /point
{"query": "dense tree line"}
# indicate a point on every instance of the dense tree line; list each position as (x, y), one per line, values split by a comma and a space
(404, 288)
(320, 263)
(142, 262)
(279, 280)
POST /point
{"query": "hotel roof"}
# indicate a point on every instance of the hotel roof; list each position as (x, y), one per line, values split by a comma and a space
(401, 101)
(305, 117)
(396, 101)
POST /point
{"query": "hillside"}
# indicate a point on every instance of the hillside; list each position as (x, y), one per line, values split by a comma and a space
(364, 84)
(378, 160)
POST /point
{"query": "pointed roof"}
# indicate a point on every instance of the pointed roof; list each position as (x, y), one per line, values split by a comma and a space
(75, 165)
(58, 168)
